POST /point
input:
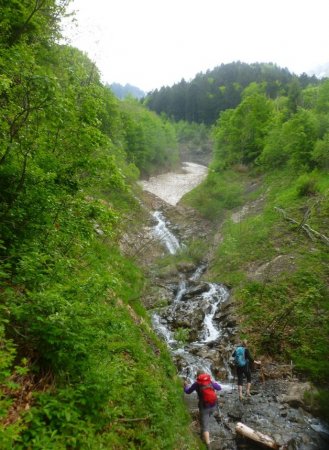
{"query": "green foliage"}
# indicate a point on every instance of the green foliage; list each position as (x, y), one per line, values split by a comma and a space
(307, 185)
(322, 100)
(205, 97)
(320, 152)
(240, 133)
(79, 367)
(275, 134)
(182, 335)
(150, 141)
(279, 274)
(322, 400)
(293, 316)
(31, 22)
(215, 194)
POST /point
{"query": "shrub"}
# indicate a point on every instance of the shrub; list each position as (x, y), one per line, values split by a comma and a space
(307, 185)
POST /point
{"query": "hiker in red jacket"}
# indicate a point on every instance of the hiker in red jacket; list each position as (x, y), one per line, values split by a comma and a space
(205, 388)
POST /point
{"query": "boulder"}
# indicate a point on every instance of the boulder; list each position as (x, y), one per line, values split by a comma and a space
(195, 291)
(295, 394)
(186, 267)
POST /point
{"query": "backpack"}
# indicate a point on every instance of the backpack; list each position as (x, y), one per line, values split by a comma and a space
(207, 392)
(239, 357)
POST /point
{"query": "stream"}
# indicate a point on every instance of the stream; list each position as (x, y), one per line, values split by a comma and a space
(198, 328)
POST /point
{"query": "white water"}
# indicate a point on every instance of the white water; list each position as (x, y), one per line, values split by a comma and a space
(208, 301)
(197, 274)
(187, 356)
(162, 330)
(214, 297)
(181, 290)
(164, 235)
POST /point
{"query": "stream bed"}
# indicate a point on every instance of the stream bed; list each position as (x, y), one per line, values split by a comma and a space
(199, 328)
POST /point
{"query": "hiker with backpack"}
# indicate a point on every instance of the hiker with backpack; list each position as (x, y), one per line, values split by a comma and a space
(206, 389)
(243, 363)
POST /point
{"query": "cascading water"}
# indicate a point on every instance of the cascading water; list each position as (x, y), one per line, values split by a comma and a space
(214, 296)
(181, 290)
(197, 308)
(189, 301)
(161, 232)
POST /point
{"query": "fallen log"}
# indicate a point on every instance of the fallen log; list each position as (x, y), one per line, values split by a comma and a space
(256, 436)
(311, 233)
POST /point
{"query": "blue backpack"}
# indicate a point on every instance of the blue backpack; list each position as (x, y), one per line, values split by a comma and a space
(239, 357)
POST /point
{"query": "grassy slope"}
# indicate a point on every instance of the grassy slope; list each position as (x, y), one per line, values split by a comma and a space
(279, 275)
(123, 392)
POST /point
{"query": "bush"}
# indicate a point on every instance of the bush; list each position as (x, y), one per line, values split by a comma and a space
(307, 185)
(216, 194)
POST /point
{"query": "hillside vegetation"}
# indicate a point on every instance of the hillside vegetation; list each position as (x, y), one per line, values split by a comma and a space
(268, 187)
(80, 367)
(202, 99)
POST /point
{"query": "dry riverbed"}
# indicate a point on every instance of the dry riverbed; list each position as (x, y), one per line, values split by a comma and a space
(171, 186)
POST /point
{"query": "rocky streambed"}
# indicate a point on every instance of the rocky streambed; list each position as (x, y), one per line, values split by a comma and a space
(197, 320)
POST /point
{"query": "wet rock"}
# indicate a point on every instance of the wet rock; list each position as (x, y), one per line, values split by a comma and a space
(235, 413)
(322, 431)
(292, 444)
(295, 394)
(168, 272)
(278, 439)
(294, 416)
(226, 320)
(195, 291)
(227, 304)
(186, 267)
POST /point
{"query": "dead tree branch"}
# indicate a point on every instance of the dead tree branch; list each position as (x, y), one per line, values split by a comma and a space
(311, 233)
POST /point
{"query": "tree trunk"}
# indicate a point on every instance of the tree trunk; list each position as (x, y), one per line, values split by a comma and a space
(256, 436)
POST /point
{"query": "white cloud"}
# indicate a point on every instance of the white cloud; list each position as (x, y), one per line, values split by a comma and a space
(151, 43)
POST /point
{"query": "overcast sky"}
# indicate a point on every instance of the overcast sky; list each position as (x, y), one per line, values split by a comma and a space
(154, 43)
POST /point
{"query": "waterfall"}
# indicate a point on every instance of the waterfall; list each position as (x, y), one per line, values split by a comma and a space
(190, 325)
(197, 274)
(181, 290)
(206, 300)
(162, 330)
(214, 297)
(164, 235)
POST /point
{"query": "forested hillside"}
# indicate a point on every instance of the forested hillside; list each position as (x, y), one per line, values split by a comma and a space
(268, 188)
(78, 367)
(203, 98)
